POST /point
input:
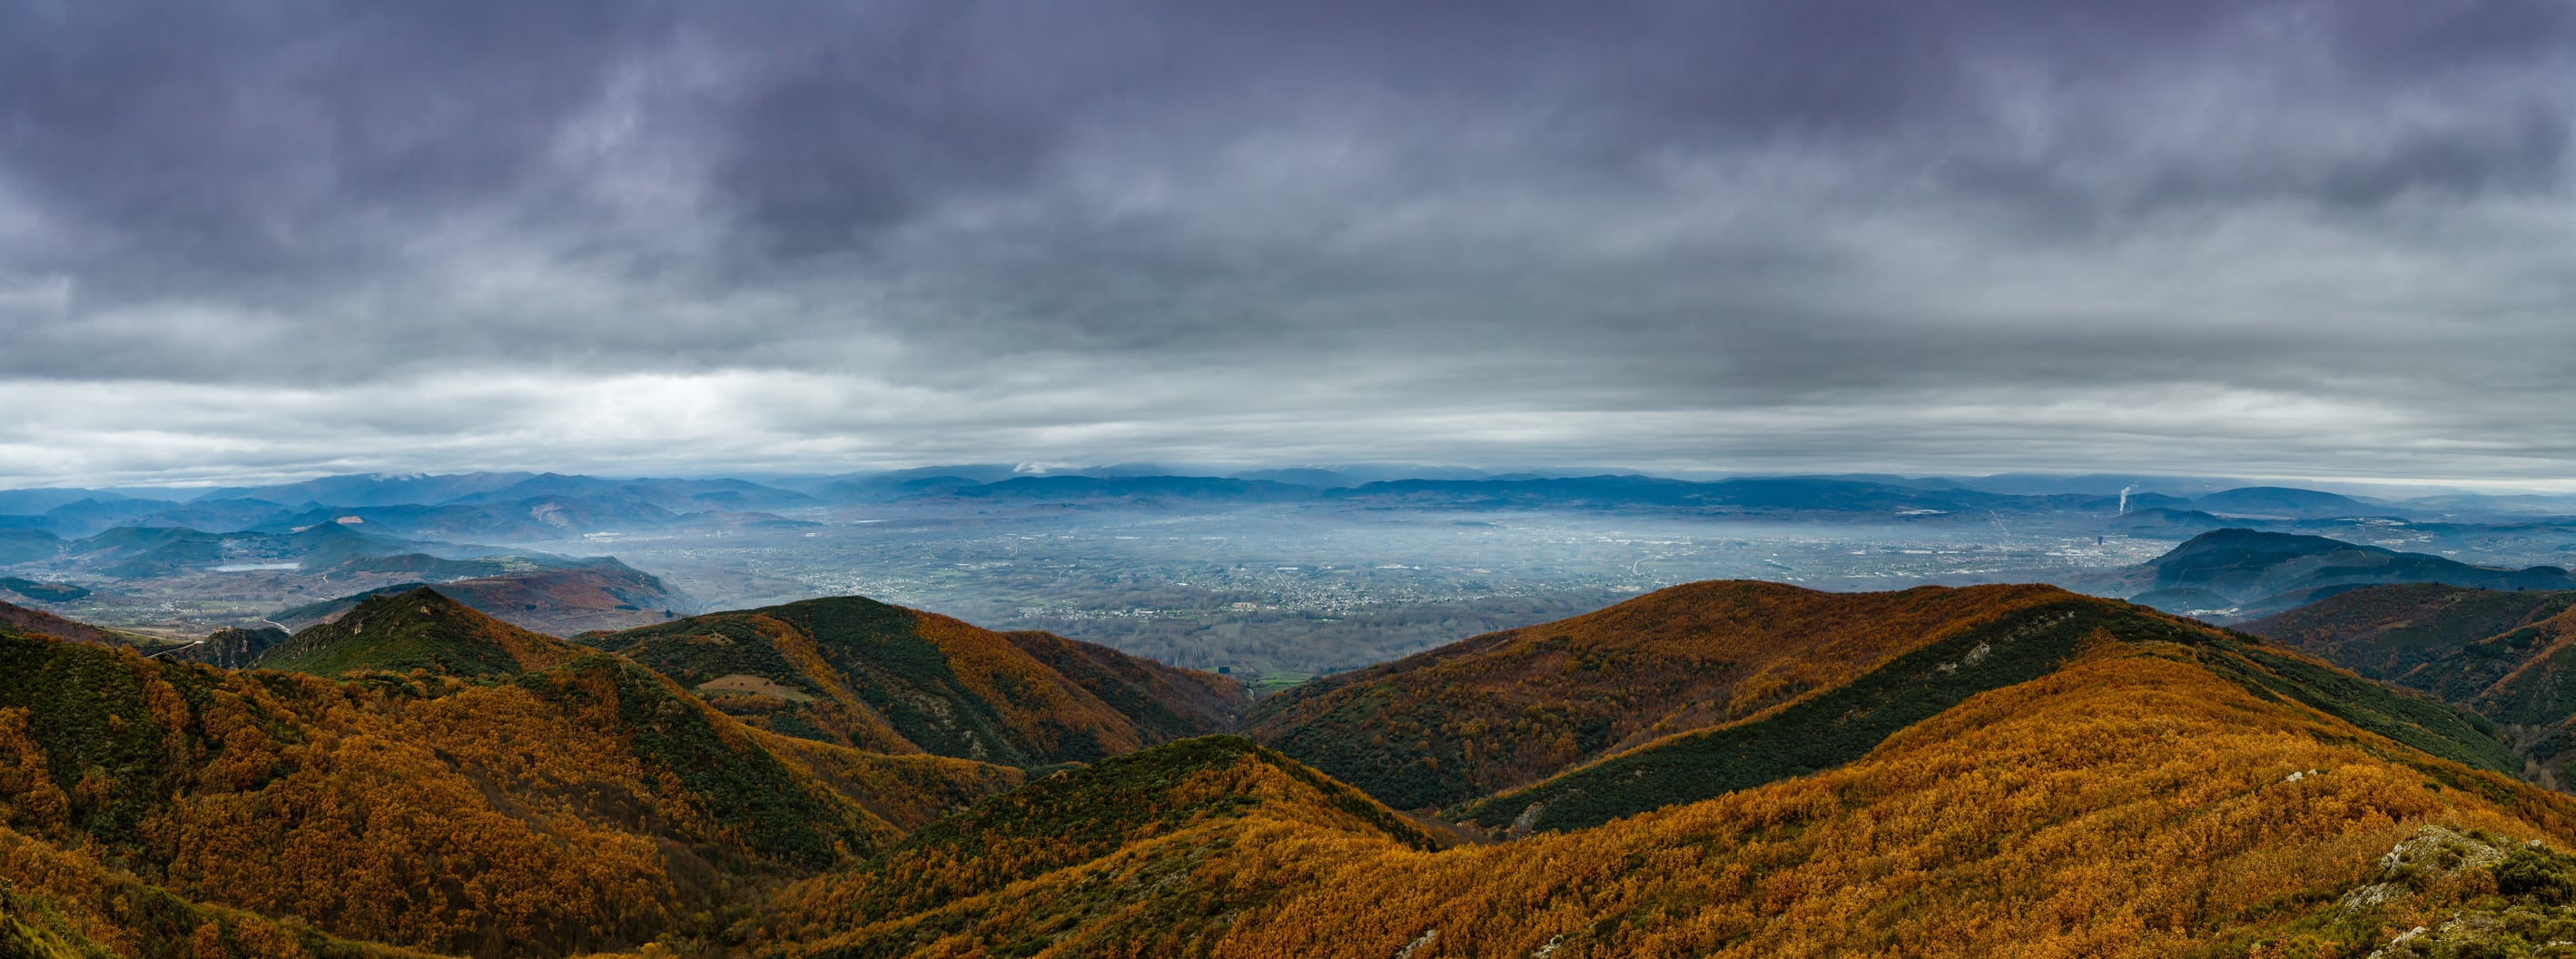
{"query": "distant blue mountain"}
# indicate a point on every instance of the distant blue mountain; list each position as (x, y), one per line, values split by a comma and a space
(34, 502)
(1756, 495)
(2285, 503)
(91, 515)
(522, 506)
(675, 495)
(2255, 573)
(376, 490)
(1135, 488)
(133, 552)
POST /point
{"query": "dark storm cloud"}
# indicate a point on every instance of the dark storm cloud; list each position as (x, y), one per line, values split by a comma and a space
(2305, 237)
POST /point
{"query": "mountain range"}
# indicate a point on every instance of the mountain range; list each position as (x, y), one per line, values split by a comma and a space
(522, 506)
(857, 672)
(1007, 546)
(1727, 769)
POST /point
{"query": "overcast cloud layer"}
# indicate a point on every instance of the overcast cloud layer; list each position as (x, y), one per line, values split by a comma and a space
(245, 240)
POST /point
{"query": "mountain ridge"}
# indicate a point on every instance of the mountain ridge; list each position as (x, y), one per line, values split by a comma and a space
(591, 802)
(2132, 802)
(2257, 572)
(2510, 656)
(420, 629)
(2097, 779)
(1838, 725)
(1536, 700)
(862, 673)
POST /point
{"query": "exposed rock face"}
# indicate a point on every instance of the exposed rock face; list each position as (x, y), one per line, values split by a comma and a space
(2433, 854)
(2525, 905)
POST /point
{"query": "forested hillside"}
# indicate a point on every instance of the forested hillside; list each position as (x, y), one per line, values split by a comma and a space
(581, 806)
(1937, 772)
(2384, 631)
(418, 629)
(2133, 802)
(37, 622)
(2510, 656)
(1841, 724)
(1510, 708)
(857, 672)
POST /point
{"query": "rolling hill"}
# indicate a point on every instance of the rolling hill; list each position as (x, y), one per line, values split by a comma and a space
(417, 630)
(595, 594)
(853, 671)
(139, 552)
(587, 805)
(556, 597)
(2281, 502)
(1510, 708)
(37, 622)
(1841, 724)
(2134, 801)
(1703, 689)
(2129, 804)
(233, 647)
(23, 545)
(2002, 770)
(43, 592)
(2244, 574)
(2385, 631)
(1153, 812)
(2510, 656)
(2167, 523)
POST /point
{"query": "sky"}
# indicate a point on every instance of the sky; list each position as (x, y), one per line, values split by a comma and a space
(249, 241)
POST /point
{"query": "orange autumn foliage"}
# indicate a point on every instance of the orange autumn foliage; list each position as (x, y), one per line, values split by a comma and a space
(856, 672)
(1510, 708)
(593, 805)
(2132, 804)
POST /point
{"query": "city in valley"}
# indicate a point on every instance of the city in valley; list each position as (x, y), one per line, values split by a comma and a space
(1273, 582)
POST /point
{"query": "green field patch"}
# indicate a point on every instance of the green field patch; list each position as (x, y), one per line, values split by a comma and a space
(1269, 683)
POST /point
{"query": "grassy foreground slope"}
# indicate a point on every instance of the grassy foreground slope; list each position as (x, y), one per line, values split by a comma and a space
(1510, 708)
(2133, 802)
(856, 672)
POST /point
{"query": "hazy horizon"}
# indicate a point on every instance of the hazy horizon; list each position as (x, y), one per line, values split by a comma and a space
(2380, 487)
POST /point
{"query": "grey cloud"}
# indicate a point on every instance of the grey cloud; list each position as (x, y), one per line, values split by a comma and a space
(1170, 228)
